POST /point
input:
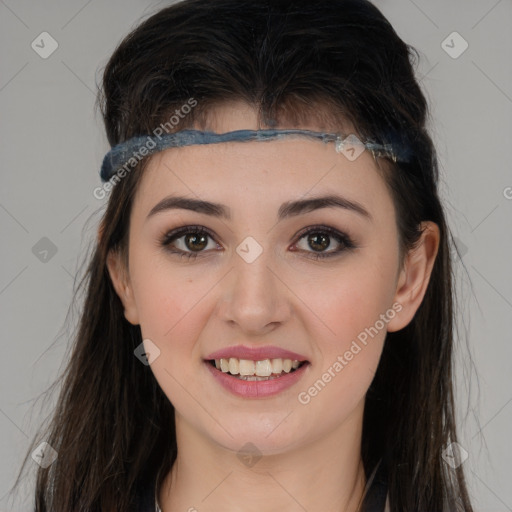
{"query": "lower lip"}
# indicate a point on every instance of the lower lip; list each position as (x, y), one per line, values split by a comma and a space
(256, 389)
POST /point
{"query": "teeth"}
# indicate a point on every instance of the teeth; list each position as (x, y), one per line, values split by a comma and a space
(277, 365)
(263, 368)
(233, 366)
(224, 365)
(256, 378)
(247, 369)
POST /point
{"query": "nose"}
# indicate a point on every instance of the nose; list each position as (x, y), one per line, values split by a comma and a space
(254, 298)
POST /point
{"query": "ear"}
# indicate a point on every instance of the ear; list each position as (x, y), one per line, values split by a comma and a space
(121, 282)
(415, 275)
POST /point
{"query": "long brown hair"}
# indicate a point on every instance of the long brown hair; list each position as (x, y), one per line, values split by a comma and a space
(293, 60)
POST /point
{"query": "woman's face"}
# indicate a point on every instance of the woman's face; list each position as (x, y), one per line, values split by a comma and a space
(268, 270)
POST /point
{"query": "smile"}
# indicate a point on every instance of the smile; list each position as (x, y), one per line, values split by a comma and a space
(248, 370)
(256, 379)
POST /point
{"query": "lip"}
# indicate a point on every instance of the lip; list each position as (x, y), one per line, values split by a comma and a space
(256, 389)
(256, 353)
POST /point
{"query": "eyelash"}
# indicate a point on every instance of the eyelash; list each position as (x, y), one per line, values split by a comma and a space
(344, 240)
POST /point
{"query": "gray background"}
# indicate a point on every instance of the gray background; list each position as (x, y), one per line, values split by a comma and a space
(52, 143)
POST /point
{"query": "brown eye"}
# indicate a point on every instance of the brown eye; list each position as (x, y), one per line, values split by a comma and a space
(319, 241)
(189, 241)
(322, 242)
(196, 242)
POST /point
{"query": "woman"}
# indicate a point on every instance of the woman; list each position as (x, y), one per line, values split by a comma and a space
(268, 318)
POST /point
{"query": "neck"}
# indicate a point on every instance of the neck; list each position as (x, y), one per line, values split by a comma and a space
(327, 474)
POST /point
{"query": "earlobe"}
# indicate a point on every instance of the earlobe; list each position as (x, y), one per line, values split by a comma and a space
(121, 282)
(414, 278)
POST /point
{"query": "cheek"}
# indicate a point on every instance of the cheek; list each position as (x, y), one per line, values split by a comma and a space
(174, 305)
(349, 300)
(355, 306)
(168, 297)
(351, 349)
(356, 314)
(172, 314)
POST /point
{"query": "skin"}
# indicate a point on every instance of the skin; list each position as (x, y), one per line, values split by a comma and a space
(190, 308)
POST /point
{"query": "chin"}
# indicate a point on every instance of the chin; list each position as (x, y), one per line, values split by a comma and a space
(268, 436)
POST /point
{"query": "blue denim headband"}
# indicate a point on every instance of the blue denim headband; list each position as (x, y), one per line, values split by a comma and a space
(123, 157)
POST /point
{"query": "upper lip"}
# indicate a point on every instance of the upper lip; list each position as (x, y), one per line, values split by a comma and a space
(255, 353)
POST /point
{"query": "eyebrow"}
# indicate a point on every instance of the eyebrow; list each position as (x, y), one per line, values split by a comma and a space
(286, 210)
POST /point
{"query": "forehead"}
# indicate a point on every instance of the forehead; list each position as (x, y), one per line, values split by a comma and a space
(277, 170)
